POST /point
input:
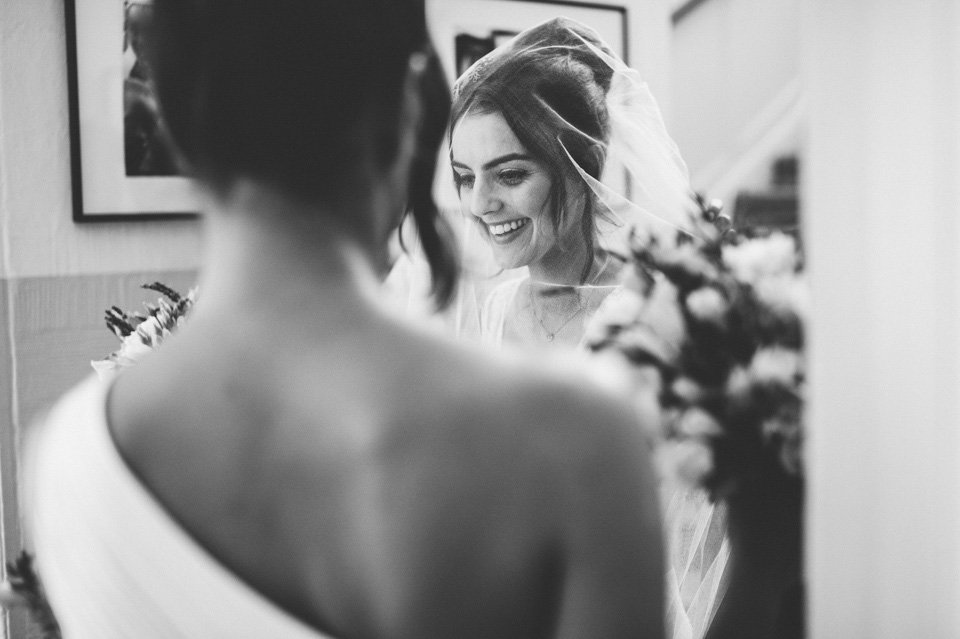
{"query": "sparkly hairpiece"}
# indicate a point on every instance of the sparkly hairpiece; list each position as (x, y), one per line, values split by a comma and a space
(471, 75)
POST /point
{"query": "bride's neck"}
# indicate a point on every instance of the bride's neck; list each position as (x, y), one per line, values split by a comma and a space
(565, 266)
(266, 253)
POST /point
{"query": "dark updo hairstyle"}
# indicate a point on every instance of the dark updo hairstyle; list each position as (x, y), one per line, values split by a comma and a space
(551, 90)
(282, 92)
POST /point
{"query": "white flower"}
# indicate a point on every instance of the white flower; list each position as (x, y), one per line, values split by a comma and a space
(708, 305)
(739, 386)
(134, 347)
(756, 259)
(776, 366)
(689, 460)
(663, 318)
(696, 422)
(611, 371)
(621, 307)
(653, 325)
(150, 331)
(689, 257)
(688, 390)
(785, 295)
(642, 339)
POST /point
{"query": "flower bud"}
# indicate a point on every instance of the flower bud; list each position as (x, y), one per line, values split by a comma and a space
(696, 422)
(707, 305)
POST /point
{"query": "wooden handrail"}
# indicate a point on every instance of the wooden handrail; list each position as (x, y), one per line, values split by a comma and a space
(684, 10)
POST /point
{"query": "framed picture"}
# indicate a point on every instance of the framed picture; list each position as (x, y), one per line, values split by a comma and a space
(463, 31)
(121, 168)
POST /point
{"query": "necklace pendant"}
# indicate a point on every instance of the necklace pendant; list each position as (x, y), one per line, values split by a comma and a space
(549, 337)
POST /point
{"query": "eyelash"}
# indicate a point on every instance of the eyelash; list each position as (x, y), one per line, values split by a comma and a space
(513, 177)
(462, 180)
(509, 177)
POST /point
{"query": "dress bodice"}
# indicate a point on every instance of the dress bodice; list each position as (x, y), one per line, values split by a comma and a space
(493, 314)
(501, 302)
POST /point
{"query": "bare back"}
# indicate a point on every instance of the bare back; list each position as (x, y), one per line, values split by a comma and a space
(377, 482)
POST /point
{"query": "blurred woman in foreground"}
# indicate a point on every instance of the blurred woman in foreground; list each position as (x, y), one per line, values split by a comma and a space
(296, 462)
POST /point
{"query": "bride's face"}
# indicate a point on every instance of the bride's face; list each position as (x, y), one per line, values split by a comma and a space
(503, 189)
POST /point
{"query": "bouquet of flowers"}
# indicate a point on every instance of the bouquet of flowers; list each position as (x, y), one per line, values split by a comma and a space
(140, 333)
(720, 315)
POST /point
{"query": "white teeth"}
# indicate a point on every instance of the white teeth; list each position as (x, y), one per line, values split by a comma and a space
(500, 229)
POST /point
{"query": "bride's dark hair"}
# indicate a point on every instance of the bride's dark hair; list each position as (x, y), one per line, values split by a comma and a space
(551, 90)
(279, 91)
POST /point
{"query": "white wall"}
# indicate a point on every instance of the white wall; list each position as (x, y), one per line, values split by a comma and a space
(734, 75)
(882, 220)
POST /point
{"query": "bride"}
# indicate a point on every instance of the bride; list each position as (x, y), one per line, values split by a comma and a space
(541, 133)
(526, 119)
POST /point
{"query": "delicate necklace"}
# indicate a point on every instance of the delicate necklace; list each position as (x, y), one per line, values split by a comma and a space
(550, 334)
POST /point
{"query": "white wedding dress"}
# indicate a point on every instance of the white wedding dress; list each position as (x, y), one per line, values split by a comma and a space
(693, 526)
(500, 302)
(114, 563)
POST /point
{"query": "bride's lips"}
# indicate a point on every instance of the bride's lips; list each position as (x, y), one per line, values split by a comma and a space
(505, 232)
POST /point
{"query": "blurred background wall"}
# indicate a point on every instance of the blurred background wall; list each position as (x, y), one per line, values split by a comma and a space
(882, 226)
(737, 105)
(57, 277)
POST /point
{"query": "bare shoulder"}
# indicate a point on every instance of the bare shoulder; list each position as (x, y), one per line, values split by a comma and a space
(580, 459)
(553, 400)
(544, 426)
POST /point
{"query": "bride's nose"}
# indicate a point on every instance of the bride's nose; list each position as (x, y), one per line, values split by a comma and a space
(484, 199)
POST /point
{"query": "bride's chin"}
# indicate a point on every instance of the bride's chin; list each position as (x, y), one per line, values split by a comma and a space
(507, 261)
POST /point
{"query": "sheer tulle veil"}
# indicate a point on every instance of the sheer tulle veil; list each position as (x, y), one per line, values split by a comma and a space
(632, 179)
(629, 167)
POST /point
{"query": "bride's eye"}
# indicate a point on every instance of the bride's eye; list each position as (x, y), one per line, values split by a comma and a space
(460, 181)
(513, 177)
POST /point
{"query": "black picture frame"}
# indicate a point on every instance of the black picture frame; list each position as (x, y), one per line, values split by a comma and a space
(504, 17)
(106, 185)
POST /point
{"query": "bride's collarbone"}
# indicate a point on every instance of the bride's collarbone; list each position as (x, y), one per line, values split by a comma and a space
(550, 314)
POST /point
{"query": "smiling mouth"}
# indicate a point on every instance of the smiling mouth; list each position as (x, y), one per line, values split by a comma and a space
(506, 230)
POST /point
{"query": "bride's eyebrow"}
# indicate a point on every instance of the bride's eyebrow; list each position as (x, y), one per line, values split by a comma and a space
(509, 157)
